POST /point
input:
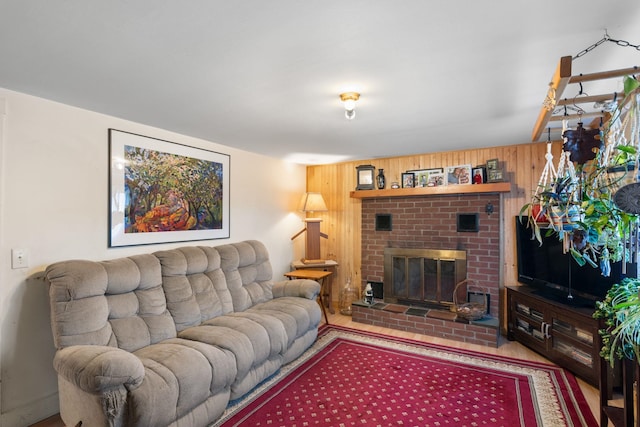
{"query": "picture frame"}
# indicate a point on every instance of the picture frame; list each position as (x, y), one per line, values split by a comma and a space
(436, 179)
(365, 177)
(492, 164)
(458, 174)
(408, 180)
(149, 205)
(495, 175)
(479, 175)
(422, 176)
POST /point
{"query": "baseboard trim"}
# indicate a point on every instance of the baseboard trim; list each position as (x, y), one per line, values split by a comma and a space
(35, 411)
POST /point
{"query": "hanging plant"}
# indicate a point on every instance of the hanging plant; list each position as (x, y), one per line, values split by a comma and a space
(594, 228)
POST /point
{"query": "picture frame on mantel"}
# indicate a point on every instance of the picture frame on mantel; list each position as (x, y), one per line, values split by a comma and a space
(458, 175)
(408, 180)
(479, 175)
(161, 191)
(436, 179)
(422, 176)
(495, 175)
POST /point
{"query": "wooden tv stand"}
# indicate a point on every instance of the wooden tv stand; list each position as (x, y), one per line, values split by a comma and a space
(563, 333)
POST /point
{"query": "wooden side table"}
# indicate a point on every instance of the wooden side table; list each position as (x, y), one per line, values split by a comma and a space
(317, 275)
(327, 292)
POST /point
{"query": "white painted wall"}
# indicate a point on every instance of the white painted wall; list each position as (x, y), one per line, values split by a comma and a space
(54, 203)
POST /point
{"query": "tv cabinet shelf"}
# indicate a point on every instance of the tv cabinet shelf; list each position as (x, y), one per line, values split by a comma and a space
(496, 187)
(565, 334)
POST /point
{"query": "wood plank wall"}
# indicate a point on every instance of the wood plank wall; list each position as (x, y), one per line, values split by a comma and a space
(522, 166)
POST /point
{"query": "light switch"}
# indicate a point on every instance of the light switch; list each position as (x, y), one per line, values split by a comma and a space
(19, 258)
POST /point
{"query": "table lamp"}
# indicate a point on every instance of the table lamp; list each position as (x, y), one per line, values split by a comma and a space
(312, 202)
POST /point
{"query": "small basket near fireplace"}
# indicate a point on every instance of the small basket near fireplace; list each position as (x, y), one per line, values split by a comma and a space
(470, 300)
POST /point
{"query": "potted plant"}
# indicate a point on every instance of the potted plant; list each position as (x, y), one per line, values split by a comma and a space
(552, 208)
(603, 226)
(620, 311)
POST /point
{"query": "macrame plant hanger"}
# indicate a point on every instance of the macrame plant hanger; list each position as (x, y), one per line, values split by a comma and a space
(547, 178)
(566, 172)
(548, 175)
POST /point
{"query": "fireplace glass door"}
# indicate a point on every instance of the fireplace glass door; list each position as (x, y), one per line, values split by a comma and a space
(423, 276)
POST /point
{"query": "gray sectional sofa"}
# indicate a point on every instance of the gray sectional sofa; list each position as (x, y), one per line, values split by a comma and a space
(169, 338)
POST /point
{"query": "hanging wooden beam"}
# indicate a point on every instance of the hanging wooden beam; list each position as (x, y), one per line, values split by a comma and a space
(561, 78)
(603, 75)
(577, 116)
(559, 82)
(590, 98)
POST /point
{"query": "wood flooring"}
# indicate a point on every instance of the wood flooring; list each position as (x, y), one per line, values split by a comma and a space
(506, 348)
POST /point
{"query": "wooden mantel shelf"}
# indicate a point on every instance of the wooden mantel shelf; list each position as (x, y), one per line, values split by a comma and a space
(496, 187)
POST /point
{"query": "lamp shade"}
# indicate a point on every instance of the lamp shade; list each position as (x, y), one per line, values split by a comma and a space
(312, 202)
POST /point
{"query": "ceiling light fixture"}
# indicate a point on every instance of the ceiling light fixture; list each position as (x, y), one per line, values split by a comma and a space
(349, 99)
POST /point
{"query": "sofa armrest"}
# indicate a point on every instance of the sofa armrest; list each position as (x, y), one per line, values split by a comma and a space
(97, 369)
(303, 288)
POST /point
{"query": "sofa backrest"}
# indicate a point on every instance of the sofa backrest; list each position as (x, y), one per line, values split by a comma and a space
(117, 303)
(248, 273)
(141, 300)
(194, 285)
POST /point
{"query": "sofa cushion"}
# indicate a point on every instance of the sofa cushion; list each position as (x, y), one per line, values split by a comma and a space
(278, 339)
(194, 285)
(257, 334)
(248, 273)
(306, 312)
(230, 340)
(179, 377)
(117, 303)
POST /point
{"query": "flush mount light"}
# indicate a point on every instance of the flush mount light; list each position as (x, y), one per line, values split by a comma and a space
(349, 99)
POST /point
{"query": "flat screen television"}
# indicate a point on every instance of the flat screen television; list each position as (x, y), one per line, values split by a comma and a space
(557, 276)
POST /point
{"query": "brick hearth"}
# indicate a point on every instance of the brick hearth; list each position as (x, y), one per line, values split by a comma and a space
(435, 323)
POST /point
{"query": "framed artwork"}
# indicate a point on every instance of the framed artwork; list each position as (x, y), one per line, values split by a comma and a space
(478, 175)
(422, 176)
(160, 191)
(459, 174)
(495, 175)
(365, 177)
(492, 164)
(408, 180)
(436, 179)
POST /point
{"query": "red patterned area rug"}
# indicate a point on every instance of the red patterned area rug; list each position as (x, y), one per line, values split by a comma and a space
(354, 378)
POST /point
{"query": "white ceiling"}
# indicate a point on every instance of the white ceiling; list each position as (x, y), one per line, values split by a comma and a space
(264, 76)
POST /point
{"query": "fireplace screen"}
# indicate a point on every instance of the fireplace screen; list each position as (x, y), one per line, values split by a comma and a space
(423, 276)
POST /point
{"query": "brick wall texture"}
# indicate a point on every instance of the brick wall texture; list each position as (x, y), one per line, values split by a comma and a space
(430, 223)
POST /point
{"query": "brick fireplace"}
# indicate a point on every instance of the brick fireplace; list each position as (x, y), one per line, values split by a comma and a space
(431, 222)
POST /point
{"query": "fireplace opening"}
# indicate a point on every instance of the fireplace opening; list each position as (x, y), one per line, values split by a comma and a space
(423, 277)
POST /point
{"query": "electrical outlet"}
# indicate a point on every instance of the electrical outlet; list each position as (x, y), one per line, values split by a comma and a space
(19, 258)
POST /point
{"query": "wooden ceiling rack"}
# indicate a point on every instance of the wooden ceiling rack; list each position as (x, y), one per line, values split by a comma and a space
(559, 82)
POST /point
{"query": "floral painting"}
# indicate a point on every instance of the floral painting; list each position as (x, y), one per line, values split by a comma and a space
(166, 192)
